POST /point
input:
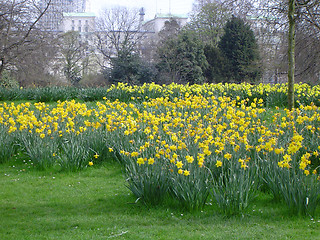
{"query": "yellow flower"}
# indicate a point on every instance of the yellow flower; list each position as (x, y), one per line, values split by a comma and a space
(244, 166)
(186, 173)
(286, 164)
(179, 164)
(207, 152)
(150, 161)
(140, 161)
(126, 132)
(110, 149)
(96, 155)
(90, 163)
(173, 147)
(280, 164)
(190, 159)
(227, 156)
(306, 172)
(279, 150)
(12, 129)
(134, 154)
(219, 163)
(180, 171)
(287, 158)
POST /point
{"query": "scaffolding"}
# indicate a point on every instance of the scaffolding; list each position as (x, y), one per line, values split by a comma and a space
(52, 19)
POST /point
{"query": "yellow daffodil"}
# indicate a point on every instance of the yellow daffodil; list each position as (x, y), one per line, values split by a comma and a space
(179, 164)
(218, 163)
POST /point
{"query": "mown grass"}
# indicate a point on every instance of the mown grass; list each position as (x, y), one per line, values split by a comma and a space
(95, 204)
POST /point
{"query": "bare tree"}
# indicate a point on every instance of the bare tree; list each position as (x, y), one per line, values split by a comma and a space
(308, 41)
(18, 24)
(33, 67)
(240, 8)
(307, 54)
(301, 19)
(118, 31)
(75, 56)
(207, 21)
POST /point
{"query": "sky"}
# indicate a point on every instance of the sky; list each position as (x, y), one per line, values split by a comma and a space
(151, 6)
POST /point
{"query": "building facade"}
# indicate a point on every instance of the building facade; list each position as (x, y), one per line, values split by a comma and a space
(52, 19)
(83, 22)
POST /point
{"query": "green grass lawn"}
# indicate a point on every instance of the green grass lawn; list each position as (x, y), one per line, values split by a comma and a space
(95, 204)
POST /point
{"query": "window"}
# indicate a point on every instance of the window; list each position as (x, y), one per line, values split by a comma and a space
(72, 21)
(79, 29)
(86, 29)
(79, 22)
(72, 28)
(87, 22)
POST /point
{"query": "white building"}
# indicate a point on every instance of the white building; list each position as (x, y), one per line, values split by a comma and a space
(83, 22)
(53, 17)
(156, 25)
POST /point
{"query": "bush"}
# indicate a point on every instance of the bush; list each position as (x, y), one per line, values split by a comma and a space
(7, 81)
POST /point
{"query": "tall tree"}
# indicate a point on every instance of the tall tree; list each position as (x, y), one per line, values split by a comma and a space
(74, 55)
(217, 65)
(239, 47)
(118, 31)
(18, 27)
(182, 59)
(307, 24)
(33, 68)
(171, 29)
(236, 7)
(131, 69)
(207, 22)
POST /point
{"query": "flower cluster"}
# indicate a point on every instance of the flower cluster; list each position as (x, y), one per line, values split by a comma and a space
(183, 143)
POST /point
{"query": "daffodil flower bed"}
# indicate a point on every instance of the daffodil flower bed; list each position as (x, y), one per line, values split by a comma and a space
(186, 146)
(271, 94)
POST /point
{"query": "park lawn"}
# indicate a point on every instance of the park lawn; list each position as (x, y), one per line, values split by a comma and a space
(95, 204)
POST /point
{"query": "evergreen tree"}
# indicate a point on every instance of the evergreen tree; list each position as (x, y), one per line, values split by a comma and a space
(218, 65)
(129, 68)
(182, 59)
(240, 49)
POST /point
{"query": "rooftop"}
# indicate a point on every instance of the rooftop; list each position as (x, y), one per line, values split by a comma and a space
(79, 14)
(169, 15)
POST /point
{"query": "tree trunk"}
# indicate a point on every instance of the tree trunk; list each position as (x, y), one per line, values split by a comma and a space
(291, 53)
(2, 63)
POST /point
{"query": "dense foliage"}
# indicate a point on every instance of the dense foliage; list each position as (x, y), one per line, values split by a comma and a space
(130, 68)
(239, 47)
(207, 22)
(183, 58)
